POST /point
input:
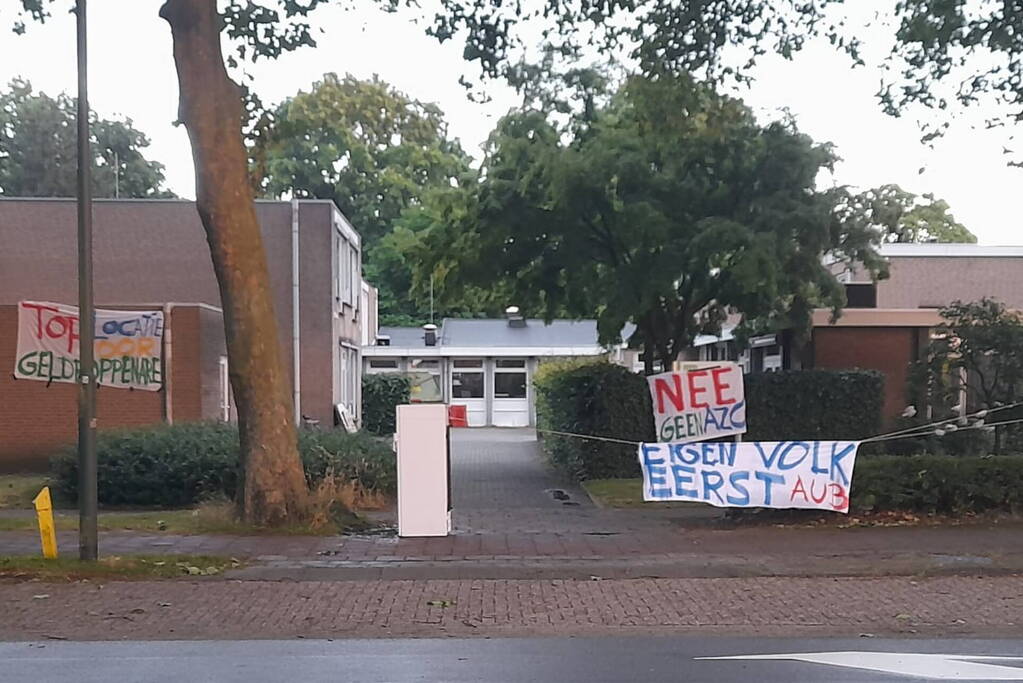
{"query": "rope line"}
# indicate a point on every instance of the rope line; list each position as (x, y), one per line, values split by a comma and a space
(909, 432)
(590, 436)
(931, 432)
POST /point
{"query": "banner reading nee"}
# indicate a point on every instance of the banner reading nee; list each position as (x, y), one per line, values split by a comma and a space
(699, 402)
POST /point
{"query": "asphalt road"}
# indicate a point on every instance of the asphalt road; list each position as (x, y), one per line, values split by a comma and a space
(561, 660)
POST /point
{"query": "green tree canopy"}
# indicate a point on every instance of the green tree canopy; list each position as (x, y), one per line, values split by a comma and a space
(902, 216)
(38, 153)
(367, 146)
(376, 152)
(669, 209)
(398, 255)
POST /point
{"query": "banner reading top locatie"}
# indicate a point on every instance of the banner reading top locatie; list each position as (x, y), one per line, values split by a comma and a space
(127, 350)
(770, 474)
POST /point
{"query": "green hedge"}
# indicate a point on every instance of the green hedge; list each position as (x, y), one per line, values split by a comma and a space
(938, 484)
(597, 399)
(184, 464)
(381, 394)
(813, 404)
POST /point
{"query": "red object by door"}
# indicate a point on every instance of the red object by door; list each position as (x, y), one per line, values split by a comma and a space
(457, 416)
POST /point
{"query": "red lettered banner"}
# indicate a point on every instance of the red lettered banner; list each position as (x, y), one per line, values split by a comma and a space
(769, 474)
(128, 349)
(699, 402)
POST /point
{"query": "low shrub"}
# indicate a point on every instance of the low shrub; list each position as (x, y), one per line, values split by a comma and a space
(598, 399)
(938, 484)
(381, 394)
(184, 464)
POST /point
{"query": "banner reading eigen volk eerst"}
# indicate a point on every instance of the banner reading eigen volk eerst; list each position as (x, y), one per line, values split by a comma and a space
(770, 474)
(127, 350)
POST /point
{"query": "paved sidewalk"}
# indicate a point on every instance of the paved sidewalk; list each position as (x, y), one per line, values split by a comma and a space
(671, 553)
(509, 526)
(767, 606)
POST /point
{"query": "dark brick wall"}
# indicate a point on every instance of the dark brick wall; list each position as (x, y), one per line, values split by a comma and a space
(887, 349)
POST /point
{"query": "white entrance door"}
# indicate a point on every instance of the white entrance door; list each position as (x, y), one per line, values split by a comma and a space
(468, 389)
(511, 401)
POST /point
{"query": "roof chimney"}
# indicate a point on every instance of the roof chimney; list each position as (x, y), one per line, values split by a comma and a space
(430, 334)
(515, 318)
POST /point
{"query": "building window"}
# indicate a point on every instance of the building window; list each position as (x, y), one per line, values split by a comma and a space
(383, 365)
(347, 272)
(225, 390)
(861, 295)
(350, 380)
(425, 381)
(355, 276)
(467, 379)
(510, 385)
(510, 378)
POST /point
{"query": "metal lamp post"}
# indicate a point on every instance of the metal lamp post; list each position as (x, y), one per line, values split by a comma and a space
(87, 494)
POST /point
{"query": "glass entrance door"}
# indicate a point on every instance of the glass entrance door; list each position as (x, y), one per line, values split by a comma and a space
(511, 386)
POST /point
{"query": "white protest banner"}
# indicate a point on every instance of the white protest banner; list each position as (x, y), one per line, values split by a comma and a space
(703, 401)
(127, 350)
(769, 474)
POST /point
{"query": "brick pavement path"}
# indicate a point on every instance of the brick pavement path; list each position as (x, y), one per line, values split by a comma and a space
(770, 606)
(500, 484)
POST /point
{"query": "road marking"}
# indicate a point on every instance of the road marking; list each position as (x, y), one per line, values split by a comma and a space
(934, 666)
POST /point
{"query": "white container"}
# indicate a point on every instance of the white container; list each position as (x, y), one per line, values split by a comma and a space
(422, 446)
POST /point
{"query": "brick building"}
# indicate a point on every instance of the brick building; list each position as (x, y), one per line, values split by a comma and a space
(152, 254)
(887, 324)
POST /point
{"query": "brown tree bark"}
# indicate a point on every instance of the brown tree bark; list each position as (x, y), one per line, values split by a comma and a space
(273, 489)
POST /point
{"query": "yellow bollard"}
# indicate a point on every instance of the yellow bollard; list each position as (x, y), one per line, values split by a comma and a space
(47, 532)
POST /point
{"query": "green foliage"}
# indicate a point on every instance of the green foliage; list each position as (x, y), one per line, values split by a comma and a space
(669, 208)
(369, 147)
(813, 405)
(381, 394)
(376, 153)
(546, 373)
(598, 399)
(38, 150)
(900, 216)
(184, 464)
(938, 484)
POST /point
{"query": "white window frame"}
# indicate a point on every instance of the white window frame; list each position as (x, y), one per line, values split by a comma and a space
(477, 367)
(523, 370)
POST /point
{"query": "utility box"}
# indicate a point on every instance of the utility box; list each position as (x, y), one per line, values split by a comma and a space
(424, 494)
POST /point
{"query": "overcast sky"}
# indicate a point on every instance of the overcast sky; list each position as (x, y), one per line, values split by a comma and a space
(132, 74)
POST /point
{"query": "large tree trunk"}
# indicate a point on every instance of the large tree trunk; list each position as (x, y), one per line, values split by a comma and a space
(273, 487)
